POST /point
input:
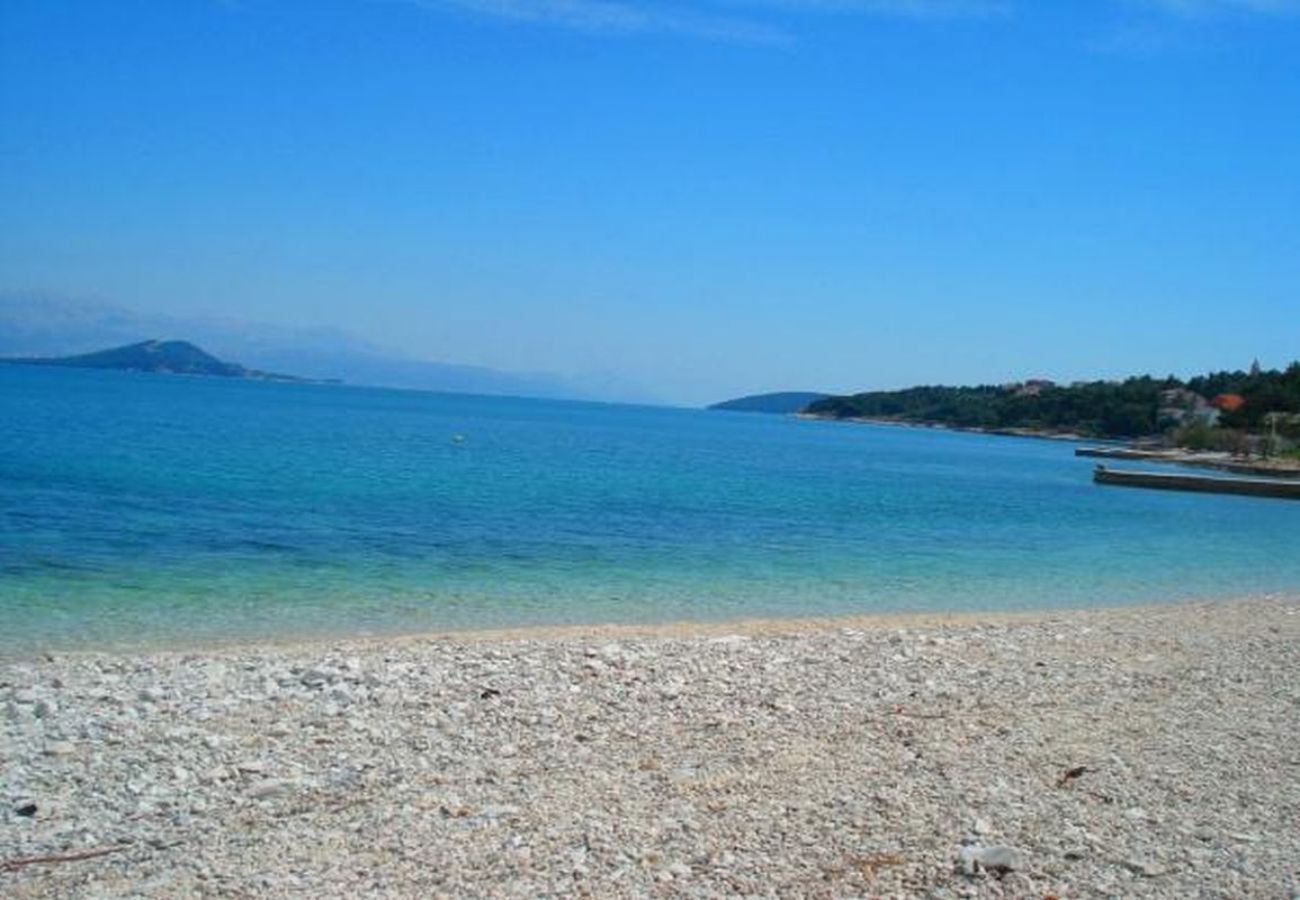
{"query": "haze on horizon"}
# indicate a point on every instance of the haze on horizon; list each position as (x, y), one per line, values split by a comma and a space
(706, 198)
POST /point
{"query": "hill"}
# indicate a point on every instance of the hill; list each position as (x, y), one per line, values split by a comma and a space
(33, 325)
(1208, 407)
(176, 357)
(780, 402)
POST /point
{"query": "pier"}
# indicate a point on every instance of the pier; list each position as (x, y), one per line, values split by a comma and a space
(1222, 462)
(1255, 487)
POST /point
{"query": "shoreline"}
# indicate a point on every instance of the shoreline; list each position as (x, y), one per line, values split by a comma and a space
(1032, 433)
(1278, 469)
(680, 629)
(1116, 448)
(1125, 751)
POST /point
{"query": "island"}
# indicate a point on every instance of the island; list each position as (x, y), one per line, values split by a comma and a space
(171, 357)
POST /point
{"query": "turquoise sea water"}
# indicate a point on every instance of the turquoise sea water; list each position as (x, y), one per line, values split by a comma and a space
(149, 508)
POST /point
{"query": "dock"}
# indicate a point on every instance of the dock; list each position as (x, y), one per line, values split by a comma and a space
(1255, 487)
(1222, 463)
(1123, 453)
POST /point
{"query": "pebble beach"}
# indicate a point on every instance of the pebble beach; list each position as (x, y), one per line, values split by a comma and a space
(1130, 752)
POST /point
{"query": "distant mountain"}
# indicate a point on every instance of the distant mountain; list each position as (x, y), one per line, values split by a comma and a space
(176, 357)
(783, 402)
(41, 325)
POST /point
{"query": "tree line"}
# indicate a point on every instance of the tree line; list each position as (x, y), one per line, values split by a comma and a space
(1130, 408)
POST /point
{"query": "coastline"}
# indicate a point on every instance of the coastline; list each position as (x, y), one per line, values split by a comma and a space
(1224, 462)
(882, 755)
(1114, 448)
(682, 629)
(1036, 434)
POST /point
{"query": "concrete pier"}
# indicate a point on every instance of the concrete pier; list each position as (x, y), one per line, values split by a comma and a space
(1256, 487)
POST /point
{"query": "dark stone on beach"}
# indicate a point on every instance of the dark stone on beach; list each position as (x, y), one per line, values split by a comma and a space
(1071, 774)
(27, 810)
(317, 678)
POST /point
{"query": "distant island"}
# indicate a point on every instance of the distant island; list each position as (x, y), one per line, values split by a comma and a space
(1239, 412)
(783, 402)
(173, 357)
(33, 325)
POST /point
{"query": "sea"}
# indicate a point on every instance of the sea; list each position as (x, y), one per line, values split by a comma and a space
(161, 510)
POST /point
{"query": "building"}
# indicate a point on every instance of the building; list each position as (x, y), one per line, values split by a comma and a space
(1179, 406)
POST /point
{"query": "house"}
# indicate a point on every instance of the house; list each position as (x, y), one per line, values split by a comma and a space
(1030, 388)
(1179, 406)
(1228, 402)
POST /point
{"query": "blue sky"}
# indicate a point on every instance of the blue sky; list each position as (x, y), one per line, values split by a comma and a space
(708, 197)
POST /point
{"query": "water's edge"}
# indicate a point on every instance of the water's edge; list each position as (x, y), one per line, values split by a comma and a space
(140, 510)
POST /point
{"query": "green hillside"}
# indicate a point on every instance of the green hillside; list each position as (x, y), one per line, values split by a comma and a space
(1135, 407)
(178, 357)
(779, 402)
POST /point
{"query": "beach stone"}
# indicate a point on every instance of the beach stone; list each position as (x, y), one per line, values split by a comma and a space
(318, 677)
(1145, 868)
(765, 774)
(671, 690)
(271, 787)
(730, 640)
(994, 858)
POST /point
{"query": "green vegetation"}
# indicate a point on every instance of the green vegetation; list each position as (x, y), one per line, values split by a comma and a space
(1202, 436)
(1136, 407)
(782, 402)
(148, 356)
(1265, 392)
(176, 357)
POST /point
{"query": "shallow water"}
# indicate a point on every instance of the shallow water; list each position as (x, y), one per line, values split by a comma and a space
(150, 508)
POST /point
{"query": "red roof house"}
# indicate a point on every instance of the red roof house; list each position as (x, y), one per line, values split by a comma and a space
(1228, 402)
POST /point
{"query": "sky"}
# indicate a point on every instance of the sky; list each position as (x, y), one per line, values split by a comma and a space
(702, 197)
